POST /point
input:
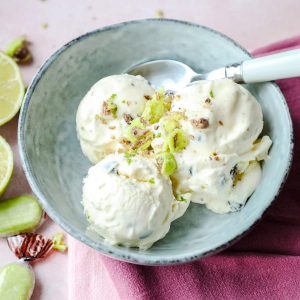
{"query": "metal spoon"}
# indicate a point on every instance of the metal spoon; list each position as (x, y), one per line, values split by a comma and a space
(172, 74)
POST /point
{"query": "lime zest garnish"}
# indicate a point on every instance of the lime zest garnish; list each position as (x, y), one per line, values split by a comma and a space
(151, 180)
(156, 107)
(138, 136)
(128, 155)
(181, 199)
(58, 242)
(175, 141)
(211, 94)
(135, 130)
(169, 165)
(174, 137)
(113, 108)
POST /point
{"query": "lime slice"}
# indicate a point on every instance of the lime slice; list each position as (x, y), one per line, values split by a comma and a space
(11, 89)
(6, 164)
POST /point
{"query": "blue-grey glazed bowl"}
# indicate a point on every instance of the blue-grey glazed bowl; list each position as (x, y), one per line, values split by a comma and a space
(55, 165)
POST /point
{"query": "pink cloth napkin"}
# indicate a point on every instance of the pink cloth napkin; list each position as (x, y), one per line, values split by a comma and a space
(263, 265)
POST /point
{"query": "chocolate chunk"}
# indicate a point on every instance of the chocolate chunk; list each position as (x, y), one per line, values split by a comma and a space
(200, 124)
(105, 109)
(128, 118)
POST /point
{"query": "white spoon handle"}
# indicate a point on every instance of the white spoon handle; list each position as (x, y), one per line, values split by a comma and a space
(271, 67)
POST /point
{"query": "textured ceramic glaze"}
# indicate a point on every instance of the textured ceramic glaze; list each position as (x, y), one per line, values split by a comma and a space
(55, 165)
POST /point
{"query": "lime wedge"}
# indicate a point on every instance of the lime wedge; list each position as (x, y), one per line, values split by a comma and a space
(11, 89)
(6, 164)
(19, 215)
(16, 281)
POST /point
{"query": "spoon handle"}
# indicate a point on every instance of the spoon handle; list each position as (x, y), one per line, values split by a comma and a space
(271, 67)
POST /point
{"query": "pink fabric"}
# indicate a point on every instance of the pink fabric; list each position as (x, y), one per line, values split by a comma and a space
(263, 265)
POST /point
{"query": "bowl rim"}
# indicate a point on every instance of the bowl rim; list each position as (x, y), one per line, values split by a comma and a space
(136, 258)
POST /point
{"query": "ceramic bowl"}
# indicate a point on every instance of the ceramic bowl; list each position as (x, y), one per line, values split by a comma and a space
(54, 163)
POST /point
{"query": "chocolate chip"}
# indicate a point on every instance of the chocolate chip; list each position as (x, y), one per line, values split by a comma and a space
(233, 171)
(234, 206)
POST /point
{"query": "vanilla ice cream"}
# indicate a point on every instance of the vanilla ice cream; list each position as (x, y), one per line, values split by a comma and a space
(106, 109)
(219, 166)
(201, 145)
(222, 182)
(128, 202)
(222, 116)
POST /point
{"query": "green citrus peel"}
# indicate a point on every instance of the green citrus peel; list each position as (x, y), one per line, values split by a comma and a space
(156, 107)
(112, 106)
(168, 163)
(138, 135)
(174, 137)
(58, 242)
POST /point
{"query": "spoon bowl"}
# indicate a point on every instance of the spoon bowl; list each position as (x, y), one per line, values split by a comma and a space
(170, 74)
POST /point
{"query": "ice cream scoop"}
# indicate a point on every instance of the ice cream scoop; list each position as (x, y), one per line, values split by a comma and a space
(106, 109)
(221, 116)
(219, 166)
(128, 202)
(223, 182)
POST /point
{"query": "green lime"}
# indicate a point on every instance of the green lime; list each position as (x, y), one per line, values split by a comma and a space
(11, 88)
(6, 164)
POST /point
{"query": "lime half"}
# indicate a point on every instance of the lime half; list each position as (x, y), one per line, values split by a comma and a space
(6, 164)
(11, 89)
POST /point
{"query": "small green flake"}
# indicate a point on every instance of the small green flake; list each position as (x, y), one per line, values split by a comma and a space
(124, 101)
(159, 13)
(112, 106)
(158, 135)
(181, 199)
(169, 165)
(58, 242)
(211, 94)
(44, 25)
(128, 156)
(151, 180)
(156, 107)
